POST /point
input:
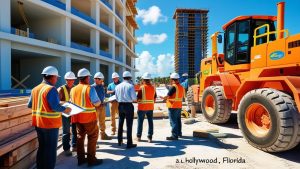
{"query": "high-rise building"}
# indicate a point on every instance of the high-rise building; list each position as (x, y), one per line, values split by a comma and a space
(190, 40)
(68, 34)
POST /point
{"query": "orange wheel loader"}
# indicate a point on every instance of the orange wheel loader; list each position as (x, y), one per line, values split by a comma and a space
(259, 77)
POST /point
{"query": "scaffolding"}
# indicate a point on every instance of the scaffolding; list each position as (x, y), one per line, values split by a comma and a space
(190, 40)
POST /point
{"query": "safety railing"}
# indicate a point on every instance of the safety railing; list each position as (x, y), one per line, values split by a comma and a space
(82, 15)
(268, 33)
(105, 54)
(81, 47)
(56, 3)
(107, 4)
(105, 27)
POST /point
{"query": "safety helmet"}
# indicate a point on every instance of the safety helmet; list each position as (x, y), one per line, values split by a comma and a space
(83, 73)
(70, 76)
(98, 75)
(50, 70)
(127, 74)
(185, 75)
(115, 75)
(146, 76)
(174, 76)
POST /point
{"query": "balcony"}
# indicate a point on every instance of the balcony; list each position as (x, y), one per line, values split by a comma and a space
(82, 15)
(119, 36)
(56, 3)
(21, 33)
(105, 27)
(107, 4)
(81, 47)
(105, 54)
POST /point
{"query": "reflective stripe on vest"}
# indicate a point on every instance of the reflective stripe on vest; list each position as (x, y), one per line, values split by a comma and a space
(67, 97)
(39, 112)
(144, 101)
(83, 101)
(176, 95)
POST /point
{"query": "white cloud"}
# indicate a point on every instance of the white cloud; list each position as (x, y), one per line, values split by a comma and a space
(151, 15)
(160, 66)
(152, 39)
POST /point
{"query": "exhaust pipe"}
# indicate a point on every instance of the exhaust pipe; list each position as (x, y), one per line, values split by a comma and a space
(280, 19)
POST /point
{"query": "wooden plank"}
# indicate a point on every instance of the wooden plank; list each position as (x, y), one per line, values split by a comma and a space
(16, 155)
(15, 121)
(204, 133)
(13, 112)
(16, 136)
(5, 148)
(6, 133)
(27, 162)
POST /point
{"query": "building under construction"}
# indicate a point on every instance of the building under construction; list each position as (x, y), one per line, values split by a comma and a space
(190, 40)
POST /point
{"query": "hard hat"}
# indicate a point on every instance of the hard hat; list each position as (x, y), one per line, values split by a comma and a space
(185, 74)
(146, 76)
(174, 76)
(127, 74)
(70, 76)
(98, 75)
(50, 70)
(83, 72)
(115, 75)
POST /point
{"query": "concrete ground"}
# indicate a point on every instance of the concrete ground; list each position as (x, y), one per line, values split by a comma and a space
(186, 153)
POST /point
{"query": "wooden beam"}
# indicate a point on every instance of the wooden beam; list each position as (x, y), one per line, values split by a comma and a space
(6, 133)
(13, 111)
(15, 121)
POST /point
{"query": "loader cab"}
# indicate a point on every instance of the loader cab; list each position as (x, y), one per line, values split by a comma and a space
(238, 39)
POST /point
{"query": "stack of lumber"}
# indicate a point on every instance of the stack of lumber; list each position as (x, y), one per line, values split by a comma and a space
(18, 140)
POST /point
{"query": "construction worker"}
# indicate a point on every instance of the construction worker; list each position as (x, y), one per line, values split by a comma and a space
(46, 117)
(145, 98)
(64, 96)
(86, 97)
(114, 104)
(98, 85)
(125, 95)
(185, 81)
(174, 104)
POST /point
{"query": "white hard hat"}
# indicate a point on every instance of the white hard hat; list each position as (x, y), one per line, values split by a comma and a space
(50, 70)
(98, 75)
(185, 74)
(146, 76)
(127, 74)
(115, 75)
(83, 72)
(70, 76)
(174, 76)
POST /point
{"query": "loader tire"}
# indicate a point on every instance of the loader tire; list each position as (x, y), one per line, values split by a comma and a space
(215, 107)
(190, 100)
(269, 120)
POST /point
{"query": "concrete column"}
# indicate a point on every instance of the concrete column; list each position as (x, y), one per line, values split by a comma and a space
(112, 47)
(113, 3)
(111, 69)
(66, 31)
(95, 41)
(133, 75)
(5, 25)
(95, 11)
(94, 66)
(64, 66)
(123, 54)
(113, 26)
(5, 65)
(68, 5)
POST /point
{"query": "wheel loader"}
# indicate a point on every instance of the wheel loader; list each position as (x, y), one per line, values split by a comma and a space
(258, 76)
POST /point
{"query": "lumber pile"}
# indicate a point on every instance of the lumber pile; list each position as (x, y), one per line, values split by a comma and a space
(18, 140)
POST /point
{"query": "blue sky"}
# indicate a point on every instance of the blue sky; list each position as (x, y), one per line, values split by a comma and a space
(157, 27)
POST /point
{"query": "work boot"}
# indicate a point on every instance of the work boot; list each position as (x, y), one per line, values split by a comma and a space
(74, 149)
(95, 163)
(105, 137)
(120, 143)
(68, 153)
(149, 139)
(172, 138)
(138, 139)
(131, 146)
(113, 133)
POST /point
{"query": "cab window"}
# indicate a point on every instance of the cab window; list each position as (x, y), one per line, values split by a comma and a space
(230, 44)
(243, 42)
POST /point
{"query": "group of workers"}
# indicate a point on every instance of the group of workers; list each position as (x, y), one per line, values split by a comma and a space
(46, 103)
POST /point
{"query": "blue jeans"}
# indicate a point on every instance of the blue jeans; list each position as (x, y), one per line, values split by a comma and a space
(141, 117)
(126, 112)
(46, 154)
(175, 121)
(66, 124)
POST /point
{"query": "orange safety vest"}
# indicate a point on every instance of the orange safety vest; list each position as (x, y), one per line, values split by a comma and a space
(80, 95)
(147, 101)
(175, 101)
(42, 115)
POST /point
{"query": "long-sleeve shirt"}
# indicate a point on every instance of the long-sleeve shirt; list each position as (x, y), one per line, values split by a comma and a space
(93, 96)
(100, 91)
(125, 92)
(53, 100)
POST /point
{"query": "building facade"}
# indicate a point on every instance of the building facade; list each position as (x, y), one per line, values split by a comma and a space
(190, 40)
(68, 34)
